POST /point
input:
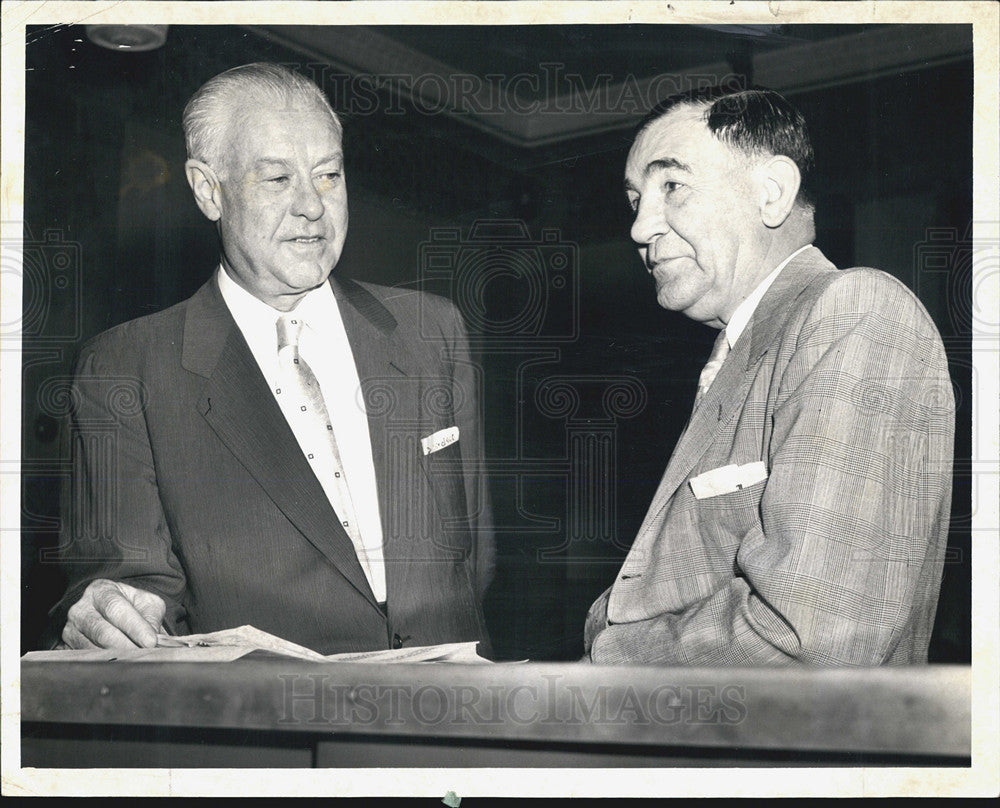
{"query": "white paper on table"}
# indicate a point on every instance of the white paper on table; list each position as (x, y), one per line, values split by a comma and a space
(233, 643)
(246, 637)
(218, 653)
(461, 652)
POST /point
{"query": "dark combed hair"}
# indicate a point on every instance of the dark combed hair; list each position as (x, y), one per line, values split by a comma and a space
(754, 121)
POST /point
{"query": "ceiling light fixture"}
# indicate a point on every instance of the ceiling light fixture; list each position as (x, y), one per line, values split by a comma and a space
(128, 38)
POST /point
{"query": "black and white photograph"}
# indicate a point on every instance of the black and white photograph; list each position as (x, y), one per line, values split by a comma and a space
(471, 400)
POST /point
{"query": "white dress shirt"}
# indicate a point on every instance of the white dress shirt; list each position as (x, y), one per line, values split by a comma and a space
(741, 317)
(325, 348)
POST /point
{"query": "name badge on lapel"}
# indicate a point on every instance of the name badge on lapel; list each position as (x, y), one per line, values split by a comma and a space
(439, 440)
(727, 479)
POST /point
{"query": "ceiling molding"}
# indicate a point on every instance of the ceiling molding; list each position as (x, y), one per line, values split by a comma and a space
(496, 104)
(862, 57)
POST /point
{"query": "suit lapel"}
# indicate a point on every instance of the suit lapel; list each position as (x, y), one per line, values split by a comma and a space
(240, 409)
(386, 370)
(722, 402)
(399, 371)
(727, 395)
(393, 381)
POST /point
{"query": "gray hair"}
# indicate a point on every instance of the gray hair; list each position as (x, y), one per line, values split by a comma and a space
(213, 107)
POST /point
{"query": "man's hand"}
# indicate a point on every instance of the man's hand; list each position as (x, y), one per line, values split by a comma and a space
(110, 614)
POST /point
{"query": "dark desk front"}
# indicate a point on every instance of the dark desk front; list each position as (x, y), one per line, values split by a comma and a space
(277, 712)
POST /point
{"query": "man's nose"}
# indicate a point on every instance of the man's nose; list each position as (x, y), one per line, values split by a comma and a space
(308, 202)
(648, 224)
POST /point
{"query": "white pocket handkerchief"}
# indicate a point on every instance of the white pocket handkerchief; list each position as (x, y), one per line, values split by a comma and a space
(439, 440)
(726, 479)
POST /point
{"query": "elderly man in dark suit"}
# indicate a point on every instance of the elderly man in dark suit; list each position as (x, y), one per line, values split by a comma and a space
(803, 516)
(285, 449)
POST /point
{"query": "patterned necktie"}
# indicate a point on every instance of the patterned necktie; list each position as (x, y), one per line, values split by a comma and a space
(719, 353)
(296, 372)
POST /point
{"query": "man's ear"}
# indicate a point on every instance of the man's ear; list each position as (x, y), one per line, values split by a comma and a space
(779, 181)
(204, 183)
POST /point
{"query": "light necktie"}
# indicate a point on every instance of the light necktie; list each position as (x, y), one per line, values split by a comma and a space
(296, 372)
(719, 353)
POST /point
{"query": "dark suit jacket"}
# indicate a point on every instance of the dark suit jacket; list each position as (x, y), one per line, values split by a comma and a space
(839, 388)
(188, 482)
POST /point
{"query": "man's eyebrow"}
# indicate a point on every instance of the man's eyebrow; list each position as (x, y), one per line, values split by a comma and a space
(336, 157)
(661, 164)
(664, 163)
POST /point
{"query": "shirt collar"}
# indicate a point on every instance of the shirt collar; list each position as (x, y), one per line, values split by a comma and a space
(318, 308)
(738, 322)
(256, 320)
(250, 312)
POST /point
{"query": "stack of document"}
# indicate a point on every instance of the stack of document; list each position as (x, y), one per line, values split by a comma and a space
(233, 643)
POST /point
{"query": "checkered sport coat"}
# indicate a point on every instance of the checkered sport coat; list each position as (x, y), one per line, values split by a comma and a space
(839, 386)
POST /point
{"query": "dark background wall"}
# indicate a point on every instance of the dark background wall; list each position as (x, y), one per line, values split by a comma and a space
(588, 382)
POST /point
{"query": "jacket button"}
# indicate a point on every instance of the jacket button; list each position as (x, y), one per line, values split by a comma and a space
(397, 641)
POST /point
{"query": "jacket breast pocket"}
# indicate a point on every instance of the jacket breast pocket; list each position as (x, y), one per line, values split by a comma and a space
(446, 478)
(726, 518)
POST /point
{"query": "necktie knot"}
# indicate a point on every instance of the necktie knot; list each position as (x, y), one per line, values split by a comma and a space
(289, 327)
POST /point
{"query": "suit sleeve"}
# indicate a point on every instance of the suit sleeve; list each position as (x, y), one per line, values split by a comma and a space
(113, 524)
(853, 517)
